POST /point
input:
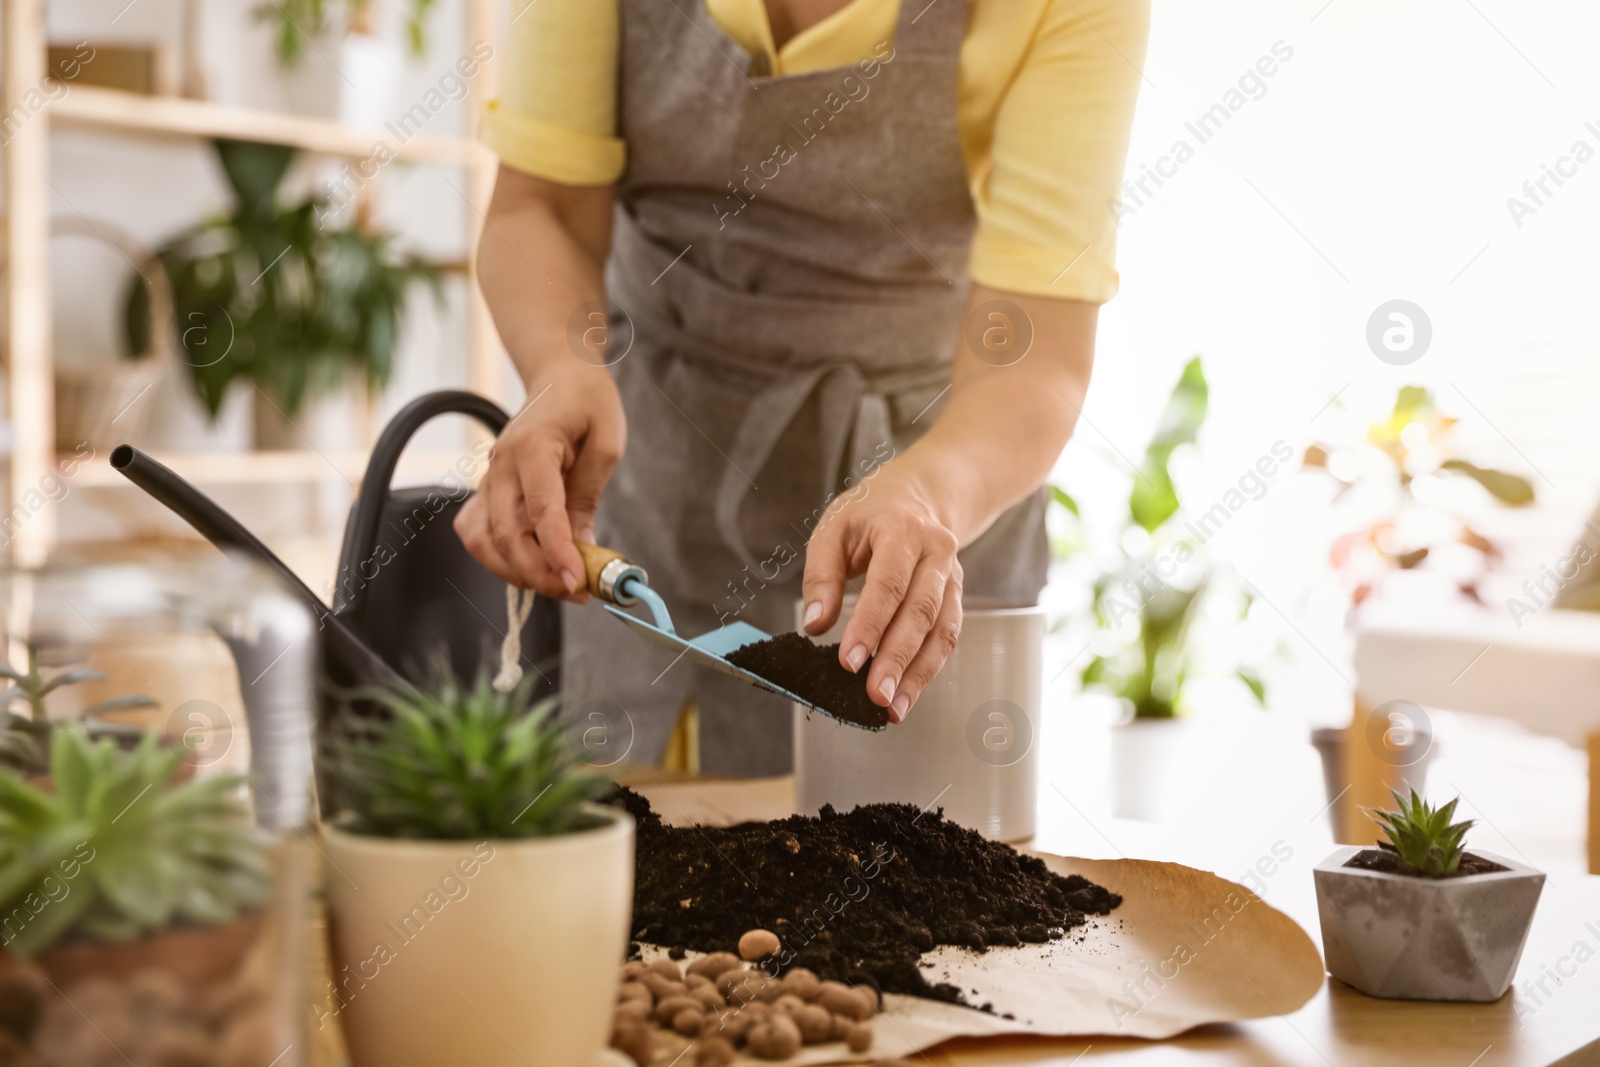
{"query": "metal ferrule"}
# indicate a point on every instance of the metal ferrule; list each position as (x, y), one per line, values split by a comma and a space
(612, 586)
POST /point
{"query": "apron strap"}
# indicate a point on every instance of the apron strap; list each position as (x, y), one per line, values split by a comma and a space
(854, 419)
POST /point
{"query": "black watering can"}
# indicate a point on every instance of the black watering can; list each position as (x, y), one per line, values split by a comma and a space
(407, 590)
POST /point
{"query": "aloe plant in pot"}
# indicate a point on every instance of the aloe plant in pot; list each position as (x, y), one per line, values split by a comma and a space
(1421, 918)
(479, 899)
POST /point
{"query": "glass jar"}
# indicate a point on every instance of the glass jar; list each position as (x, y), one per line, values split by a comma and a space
(155, 784)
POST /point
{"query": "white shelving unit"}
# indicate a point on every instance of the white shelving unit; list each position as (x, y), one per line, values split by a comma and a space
(29, 362)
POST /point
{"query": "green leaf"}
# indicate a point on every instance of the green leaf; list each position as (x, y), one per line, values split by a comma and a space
(1423, 837)
(72, 677)
(1512, 489)
(126, 702)
(1062, 498)
(1154, 499)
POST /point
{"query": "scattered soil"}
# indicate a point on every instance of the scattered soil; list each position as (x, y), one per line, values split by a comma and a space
(813, 672)
(856, 897)
(1385, 859)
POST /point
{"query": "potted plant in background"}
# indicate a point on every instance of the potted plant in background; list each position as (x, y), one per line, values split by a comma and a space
(352, 73)
(272, 295)
(1420, 918)
(133, 904)
(1400, 484)
(1146, 600)
(1403, 527)
(479, 901)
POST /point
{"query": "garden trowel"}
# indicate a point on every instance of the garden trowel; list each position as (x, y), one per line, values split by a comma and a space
(620, 583)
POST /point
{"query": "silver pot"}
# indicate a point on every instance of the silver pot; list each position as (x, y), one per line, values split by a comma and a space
(970, 744)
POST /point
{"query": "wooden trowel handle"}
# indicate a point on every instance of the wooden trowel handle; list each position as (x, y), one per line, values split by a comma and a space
(603, 569)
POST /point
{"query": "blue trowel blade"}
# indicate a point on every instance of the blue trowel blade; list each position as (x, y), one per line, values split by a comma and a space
(711, 649)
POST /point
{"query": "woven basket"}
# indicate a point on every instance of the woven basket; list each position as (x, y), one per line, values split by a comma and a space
(108, 404)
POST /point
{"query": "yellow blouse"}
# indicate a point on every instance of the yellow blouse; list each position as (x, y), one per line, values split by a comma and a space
(1046, 98)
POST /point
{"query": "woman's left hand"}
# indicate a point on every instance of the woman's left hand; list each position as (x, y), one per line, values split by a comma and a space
(909, 609)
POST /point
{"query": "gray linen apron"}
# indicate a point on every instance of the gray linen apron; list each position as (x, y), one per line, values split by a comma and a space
(787, 279)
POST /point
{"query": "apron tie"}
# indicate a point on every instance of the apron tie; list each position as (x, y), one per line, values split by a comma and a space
(856, 421)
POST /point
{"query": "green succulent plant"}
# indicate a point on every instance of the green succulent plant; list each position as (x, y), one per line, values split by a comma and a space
(116, 848)
(25, 725)
(1424, 838)
(452, 762)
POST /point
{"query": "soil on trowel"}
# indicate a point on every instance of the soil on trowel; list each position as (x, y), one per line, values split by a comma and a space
(855, 897)
(813, 673)
(1384, 858)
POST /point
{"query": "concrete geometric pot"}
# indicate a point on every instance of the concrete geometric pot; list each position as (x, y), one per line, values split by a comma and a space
(1407, 938)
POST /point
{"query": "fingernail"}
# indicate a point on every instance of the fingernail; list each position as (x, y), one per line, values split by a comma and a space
(586, 535)
(813, 612)
(856, 657)
(898, 708)
(887, 689)
(569, 581)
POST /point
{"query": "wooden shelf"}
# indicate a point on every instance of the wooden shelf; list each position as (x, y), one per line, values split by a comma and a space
(88, 107)
(27, 374)
(269, 468)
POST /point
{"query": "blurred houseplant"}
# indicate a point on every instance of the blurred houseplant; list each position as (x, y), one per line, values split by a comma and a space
(353, 73)
(270, 295)
(1147, 598)
(1399, 464)
(298, 21)
(26, 729)
(470, 792)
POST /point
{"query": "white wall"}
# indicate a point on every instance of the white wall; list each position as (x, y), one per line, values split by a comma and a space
(1376, 164)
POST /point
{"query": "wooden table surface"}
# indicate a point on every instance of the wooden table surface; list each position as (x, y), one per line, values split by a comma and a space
(1339, 1027)
(1551, 1016)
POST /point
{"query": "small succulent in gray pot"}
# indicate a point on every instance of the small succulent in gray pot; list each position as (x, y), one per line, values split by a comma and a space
(1421, 918)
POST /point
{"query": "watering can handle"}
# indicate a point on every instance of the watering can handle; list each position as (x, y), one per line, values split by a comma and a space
(605, 571)
(361, 534)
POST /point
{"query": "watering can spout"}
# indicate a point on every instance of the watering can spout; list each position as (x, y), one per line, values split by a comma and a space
(348, 659)
(204, 514)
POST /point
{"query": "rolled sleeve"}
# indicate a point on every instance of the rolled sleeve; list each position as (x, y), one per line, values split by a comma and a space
(1045, 224)
(556, 115)
(553, 152)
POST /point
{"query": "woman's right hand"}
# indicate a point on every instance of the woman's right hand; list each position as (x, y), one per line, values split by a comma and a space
(546, 473)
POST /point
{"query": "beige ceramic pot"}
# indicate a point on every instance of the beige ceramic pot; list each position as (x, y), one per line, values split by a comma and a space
(486, 953)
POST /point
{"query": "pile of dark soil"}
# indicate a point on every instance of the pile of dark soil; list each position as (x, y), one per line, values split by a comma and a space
(856, 897)
(1385, 859)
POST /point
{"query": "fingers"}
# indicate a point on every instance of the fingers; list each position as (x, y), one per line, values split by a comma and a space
(827, 567)
(472, 526)
(512, 535)
(599, 456)
(889, 573)
(936, 648)
(912, 625)
(544, 500)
